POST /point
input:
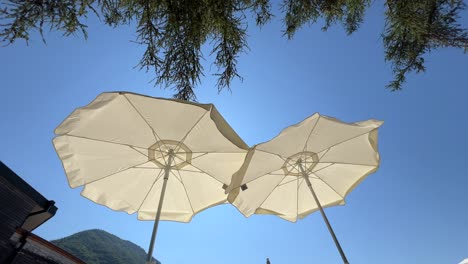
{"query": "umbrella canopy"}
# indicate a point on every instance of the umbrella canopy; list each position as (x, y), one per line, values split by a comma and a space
(314, 163)
(123, 147)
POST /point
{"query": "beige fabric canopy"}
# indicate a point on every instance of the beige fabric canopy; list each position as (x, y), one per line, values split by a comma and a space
(314, 163)
(124, 147)
(335, 155)
(118, 146)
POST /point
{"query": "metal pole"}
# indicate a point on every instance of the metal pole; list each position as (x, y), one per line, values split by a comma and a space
(158, 213)
(306, 177)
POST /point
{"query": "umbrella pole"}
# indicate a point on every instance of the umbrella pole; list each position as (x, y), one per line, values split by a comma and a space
(158, 213)
(330, 229)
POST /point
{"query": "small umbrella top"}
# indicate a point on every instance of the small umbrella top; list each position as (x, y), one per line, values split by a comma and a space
(119, 146)
(334, 155)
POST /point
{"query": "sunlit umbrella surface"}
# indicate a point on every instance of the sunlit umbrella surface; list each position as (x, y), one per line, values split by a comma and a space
(160, 158)
(308, 166)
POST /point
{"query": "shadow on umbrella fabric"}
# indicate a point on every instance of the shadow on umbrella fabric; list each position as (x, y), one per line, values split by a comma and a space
(162, 159)
(308, 166)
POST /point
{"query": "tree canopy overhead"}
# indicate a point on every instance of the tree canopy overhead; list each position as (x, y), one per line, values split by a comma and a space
(173, 31)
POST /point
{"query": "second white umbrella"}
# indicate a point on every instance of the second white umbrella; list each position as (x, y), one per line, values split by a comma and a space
(308, 166)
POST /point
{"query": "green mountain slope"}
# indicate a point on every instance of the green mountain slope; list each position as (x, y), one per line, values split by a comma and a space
(99, 247)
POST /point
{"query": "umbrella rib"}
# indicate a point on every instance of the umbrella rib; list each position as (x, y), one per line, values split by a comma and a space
(266, 174)
(269, 171)
(348, 163)
(190, 130)
(191, 171)
(288, 181)
(331, 164)
(100, 140)
(295, 167)
(112, 174)
(206, 153)
(206, 173)
(323, 180)
(199, 156)
(297, 200)
(179, 157)
(172, 172)
(312, 130)
(186, 193)
(313, 172)
(345, 163)
(301, 181)
(323, 155)
(218, 152)
(271, 192)
(151, 188)
(155, 135)
(334, 163)
(148, 168)
(138, 151)
(341, 142)
(276, 154)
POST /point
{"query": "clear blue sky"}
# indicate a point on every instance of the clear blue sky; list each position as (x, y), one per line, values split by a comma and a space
(414, 209)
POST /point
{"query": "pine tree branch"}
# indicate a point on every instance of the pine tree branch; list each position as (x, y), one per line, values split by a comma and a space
(173, 31)
(414, 28)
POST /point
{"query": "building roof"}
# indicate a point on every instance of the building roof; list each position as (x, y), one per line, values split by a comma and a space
(39, 247)
(44, 209)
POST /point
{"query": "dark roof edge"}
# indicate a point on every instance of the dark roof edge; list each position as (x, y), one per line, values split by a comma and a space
(49, 245)
(19, 183)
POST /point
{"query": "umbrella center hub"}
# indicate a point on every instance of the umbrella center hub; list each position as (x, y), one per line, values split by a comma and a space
(307, 159)
(160, 153)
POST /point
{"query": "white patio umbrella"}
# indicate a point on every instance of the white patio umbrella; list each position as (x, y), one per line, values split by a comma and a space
(308, 166)
(124, 147)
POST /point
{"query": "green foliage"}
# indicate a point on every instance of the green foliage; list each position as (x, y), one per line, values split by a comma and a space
(416, 27)
(174, 31)
(299, 12)
(21, 16)
(100, 247)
